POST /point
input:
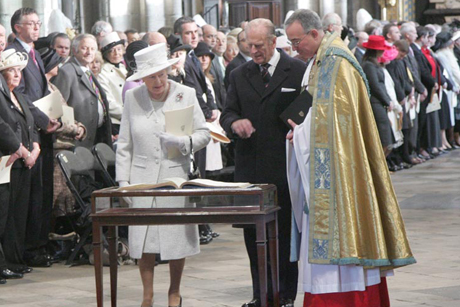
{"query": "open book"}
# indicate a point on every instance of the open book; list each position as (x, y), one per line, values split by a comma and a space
(180, 183)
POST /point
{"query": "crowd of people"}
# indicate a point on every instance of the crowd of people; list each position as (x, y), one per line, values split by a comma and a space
(404, 75)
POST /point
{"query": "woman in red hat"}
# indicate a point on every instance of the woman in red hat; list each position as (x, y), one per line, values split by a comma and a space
(380, 100)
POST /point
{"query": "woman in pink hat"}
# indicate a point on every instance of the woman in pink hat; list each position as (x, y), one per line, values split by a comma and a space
(380, 100)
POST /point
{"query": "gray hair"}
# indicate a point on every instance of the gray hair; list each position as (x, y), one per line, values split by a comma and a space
(76, 42)
(331, 19)
(308, 19)
(406, 27)
(101, 26)
(262, 22)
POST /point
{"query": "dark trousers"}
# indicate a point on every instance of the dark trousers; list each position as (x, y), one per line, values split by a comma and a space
(422, 133)
(4, 204)
(15, 232)
(288, 271)
(35, 217)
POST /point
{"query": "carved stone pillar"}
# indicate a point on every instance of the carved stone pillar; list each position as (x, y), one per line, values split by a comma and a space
(173, 10)
(154, 14)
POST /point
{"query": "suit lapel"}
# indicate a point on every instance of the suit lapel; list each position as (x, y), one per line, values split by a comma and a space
(278, 77)
(82, 76)
(255, 79)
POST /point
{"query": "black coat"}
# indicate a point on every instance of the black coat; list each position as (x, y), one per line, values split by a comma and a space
(425, 68)
(398, 72)
(195, 78)
(33, 84)
(12, 135)
(376, 78)
(237, 61)
(414, 68)
(262, 157)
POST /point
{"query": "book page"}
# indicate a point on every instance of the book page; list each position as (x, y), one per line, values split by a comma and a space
(216, 184)
(51, 105)
(174, 182)
(4, 170)
(67, 116)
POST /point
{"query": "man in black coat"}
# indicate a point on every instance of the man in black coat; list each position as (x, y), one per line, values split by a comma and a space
(258, 93)
(26, 26)
(243, 56)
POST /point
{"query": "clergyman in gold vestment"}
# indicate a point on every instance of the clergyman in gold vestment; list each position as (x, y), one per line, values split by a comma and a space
(347, 229)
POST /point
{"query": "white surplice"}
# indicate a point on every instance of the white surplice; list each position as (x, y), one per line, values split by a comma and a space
(317, 278)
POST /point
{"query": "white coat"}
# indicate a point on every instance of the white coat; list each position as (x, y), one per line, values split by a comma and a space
(112, 80)
(140, 158)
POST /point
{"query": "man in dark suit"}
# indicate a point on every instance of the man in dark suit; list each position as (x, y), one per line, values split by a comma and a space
(259, 91)
(360, 50)
(187, 29)
(243, 56)
(26, 26)
(83, 92)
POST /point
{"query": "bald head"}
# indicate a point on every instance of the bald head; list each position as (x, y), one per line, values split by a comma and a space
(153, 38)
(362, 38)
(332, 23)
(210, 35)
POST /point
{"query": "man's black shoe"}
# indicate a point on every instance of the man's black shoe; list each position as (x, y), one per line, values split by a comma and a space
(254, 303)
(7, 274)
(286, 302)
(39, 261)
(23, 269)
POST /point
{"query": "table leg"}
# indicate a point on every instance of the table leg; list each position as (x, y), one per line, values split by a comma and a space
(274, 261)
(261, 240)
(97, 250)
(112, 240)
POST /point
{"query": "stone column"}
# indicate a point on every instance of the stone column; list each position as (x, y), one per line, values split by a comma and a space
(39, 6)
(154, 14)
(68, 9)
(326, 6)
(173, 10)
(341, 8)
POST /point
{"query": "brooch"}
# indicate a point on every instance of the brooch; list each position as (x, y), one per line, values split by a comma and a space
(179, 97)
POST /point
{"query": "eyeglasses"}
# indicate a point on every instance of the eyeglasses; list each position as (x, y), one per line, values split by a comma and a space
(31, 23)
(296, 43)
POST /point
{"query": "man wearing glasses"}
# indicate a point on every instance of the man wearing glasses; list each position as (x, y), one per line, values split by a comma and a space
(25, 24)
(348, 232)
(259, 91)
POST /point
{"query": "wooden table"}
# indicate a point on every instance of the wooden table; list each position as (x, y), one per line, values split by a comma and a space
(263, 215)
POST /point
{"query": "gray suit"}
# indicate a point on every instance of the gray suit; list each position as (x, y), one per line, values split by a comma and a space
(77, 90)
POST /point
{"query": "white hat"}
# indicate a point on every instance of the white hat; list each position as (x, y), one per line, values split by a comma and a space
(110, 40)
(151, 60)
(456, 35)
(11, 58)
(282, 42)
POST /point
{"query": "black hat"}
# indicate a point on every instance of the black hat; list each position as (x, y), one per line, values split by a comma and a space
(50, 58)
(443, 40)
(175, 44)
(131, 50)
(203, 49)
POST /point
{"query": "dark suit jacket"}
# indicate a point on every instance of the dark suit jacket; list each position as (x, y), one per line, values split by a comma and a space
(359, 55)
(237, 61)
(196, 79)
(218, 84)
(398, 73)
(33, 84)
(412, 64)
(425, 68)
(262, 157)
(12, 135)
(376, 78)
(77, 90)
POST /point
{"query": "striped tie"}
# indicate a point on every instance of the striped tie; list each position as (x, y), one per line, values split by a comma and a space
(96, 89)
(265, 74)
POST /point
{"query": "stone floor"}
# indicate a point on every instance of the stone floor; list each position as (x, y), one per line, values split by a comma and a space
(219, 276)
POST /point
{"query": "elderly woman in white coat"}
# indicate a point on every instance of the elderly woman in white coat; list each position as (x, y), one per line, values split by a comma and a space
(142, 157)
(112, 77)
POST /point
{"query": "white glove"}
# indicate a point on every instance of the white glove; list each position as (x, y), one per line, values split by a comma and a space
(169, 141)
(123, 184)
